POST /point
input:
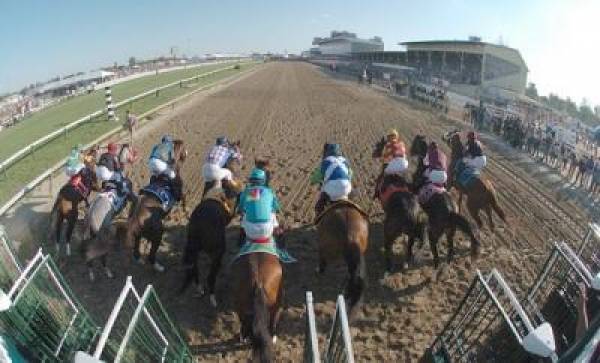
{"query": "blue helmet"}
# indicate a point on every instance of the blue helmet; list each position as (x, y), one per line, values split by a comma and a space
(166, 139)
(258, 176)
(333, 150)
(222, 140)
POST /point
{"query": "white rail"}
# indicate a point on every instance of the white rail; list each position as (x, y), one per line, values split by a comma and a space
(45, 175)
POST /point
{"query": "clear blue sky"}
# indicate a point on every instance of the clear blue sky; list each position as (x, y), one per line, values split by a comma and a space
(41, 39)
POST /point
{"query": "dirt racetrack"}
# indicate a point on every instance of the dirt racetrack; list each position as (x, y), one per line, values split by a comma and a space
(286, 111)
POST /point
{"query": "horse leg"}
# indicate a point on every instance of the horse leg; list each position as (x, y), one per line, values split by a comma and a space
(474, 212)
(408, 252)
(155, 241)
(460, 199)
(60, 217)
(357, 283)
(322, 265)
(488, 211)
(434, 236)
(212, 277)
(389, 239)
(71, 221)
(107, 271)
(450, 232)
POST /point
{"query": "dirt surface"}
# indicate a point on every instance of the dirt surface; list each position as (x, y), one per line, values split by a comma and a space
(286, 111)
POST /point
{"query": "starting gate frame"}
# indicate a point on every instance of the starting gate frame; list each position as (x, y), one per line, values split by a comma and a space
(311, 341)
(339, 341)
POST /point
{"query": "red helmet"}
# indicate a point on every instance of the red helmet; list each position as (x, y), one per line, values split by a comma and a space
(112, 148)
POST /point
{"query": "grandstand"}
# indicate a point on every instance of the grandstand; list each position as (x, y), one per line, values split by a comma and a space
(345, 43)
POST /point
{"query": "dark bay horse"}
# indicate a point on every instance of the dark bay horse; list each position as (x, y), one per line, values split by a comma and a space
(206, 232)
(343, 231)
(440, 209)
(480, 193)
(146, 220)
(66, 206)
(258, 297)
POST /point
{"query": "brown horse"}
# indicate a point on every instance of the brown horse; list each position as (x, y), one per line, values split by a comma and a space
(66, 206)
(206, 232)
(146, 220)
(480, 193)
(440, 210)
(343, 231)
(258, 299)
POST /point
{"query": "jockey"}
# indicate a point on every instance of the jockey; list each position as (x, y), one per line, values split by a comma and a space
(474, 157)
(161, 159)
(435, 165)
(74, 162)
(335, 175)
(258, 206)
(109, 167)
(214, 166)
(394, 154)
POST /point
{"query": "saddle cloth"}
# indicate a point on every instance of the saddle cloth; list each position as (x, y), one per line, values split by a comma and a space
(465, 175)
(116, 200)
(340, 203)
(162, 192)
(428, 191)
(218, 194)
(76, 181)
(268, 246)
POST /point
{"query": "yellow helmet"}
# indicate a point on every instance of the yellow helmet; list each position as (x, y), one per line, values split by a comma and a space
(393, 133)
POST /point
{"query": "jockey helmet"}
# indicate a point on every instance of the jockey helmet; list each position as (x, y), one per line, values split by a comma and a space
(112, 148)
(166, 139)
(333, 150)
(222, 140)
(257, 176)
(393, 133)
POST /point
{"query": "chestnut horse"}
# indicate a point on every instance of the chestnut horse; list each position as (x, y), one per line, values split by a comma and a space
(440, 209)
(258, 298)
(146, 220)
(480, 193)
(66, 206)
(206, 232)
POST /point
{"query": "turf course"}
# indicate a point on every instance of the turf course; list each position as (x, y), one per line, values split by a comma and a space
(38, 125)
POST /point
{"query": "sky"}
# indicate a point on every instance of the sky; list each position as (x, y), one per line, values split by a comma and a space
(40, 39)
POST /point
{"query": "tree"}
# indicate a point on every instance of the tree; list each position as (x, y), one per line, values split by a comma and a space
(531, 91)
(131, 61)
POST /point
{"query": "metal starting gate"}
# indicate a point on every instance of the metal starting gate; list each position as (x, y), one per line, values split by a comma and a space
(554, 294)
(339, 341)
(139, 330)
(39, 313)
(311, 341)
(589, 250)
(490, 325)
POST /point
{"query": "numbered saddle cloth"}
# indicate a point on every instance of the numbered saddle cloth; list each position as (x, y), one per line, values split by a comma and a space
(268, 246)
(163, 192)
(464, 174)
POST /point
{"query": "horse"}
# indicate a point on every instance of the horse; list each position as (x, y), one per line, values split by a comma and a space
(112, 199)
(480, 193)
(440, 209)
(146, 219)
(258, 296)
(343, 231)
(206, 232)
(66, 206)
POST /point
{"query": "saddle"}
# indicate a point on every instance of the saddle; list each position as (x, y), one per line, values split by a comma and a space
(219, 195)
(163, 191)
(465, 175)
(340, 203)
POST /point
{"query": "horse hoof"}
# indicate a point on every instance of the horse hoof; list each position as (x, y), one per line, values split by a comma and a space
(199, 291)
(68, 249)
(138, 260)
(158, 267)
(58, 249)
(213, 300)
(91, 276)
(274, 339)
(109, 273)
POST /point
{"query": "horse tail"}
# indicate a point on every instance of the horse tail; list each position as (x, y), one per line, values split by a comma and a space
(494, 201)
(261, 339)
(357, 267)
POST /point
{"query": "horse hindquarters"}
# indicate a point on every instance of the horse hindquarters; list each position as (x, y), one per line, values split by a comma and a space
(262, 344)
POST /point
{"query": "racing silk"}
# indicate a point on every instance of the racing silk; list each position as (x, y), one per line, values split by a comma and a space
(474, 149)
(258, 203)
(109, 161)
(436, 160)
(163, 151)
(220, 154)
(335, 168)
(392, 150)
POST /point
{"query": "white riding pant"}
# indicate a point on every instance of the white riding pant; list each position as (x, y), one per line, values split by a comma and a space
(396, 166)
(257, 231)
(213, 172)
(337, 189)
(159, 167)
(436, 176)
(477, 163)
(103, 174)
